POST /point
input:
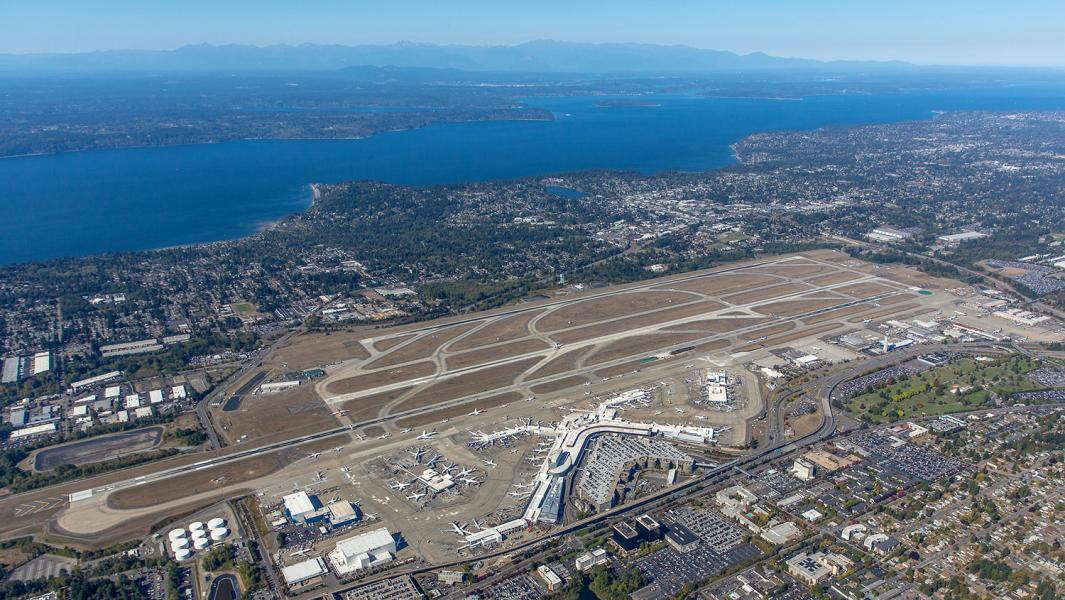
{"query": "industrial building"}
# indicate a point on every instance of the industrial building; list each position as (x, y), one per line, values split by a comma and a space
(304, 575)
(362, 551)
(303, 508)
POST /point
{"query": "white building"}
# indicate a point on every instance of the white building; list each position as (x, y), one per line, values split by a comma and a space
(359, 552)
(300, 574)
(588, 560)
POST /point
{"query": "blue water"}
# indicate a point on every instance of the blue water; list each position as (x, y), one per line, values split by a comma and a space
(110, 200)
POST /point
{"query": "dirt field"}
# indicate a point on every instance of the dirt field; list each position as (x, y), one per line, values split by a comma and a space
(638, 345)
(367, 407)
(720, 284)
(422, 347)
(766, 331)
(386, 344)
(561, 363)
(493, 353)
(712, 346)
(558, 384)
(662, 316)
(882, 313)
(795, 269)
(717, 325)
(437, 416)
(373, 431)
(283, 415)
(790, 308)
(506, 329)
(837, 314)
(315, 349)
(768, 293)
(372, 380)
(833, 278)
(467, 384)
(598, 309)
(806, 424)
(864, 290)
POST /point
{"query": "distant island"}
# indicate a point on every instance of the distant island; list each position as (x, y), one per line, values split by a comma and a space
(624, 102)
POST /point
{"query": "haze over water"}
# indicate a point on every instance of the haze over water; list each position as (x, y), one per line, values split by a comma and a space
(132, 199)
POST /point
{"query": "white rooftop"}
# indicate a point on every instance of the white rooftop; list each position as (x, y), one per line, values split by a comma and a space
(298, 503)
(303, 570)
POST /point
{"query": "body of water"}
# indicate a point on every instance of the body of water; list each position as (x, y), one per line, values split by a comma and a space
(132, 199)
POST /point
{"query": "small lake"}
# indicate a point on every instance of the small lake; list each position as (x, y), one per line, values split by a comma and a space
(132, 199)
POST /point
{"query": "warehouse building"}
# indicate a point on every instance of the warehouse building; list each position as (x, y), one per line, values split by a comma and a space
(304, 575)
(362, 551)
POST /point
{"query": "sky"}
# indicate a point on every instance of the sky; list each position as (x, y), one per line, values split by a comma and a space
(954, 32)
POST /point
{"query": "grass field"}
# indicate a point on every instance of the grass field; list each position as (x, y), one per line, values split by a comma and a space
(963, 385)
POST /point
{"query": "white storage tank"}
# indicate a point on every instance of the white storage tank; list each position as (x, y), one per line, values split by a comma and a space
(219, 533)
(200, 543)
(183, 554)
(176, 534)
(196, 526)
(216, 523)
(178, 544)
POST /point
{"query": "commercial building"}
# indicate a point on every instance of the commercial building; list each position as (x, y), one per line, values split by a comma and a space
(591, 559)
(803, 470)
(681, 538)
(625, 537)
(815, 568)
(551, 579)
(887, 233)
(362, 551)
(956, 238)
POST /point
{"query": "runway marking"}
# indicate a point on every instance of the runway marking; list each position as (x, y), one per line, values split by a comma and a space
(38, 506)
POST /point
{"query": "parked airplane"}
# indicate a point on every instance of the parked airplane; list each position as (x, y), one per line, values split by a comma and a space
(384, 435)
(415, 496)
(406, 430)
(476, 412)
(457, 528)
(520, 494)
(398, 485)
(469, 481)
(340, 413)
(489, 463)
(313, 455)
(426, 435)
(417, 454)
(465, 472)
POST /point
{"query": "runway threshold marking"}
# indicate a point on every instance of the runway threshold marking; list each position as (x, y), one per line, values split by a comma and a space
(37, 506)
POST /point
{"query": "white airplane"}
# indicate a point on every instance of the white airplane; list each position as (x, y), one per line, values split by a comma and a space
(338, 449)
(524, 485)
(447, 468)
(313, 455)
(489, 463)
(384, 436)
(426, 435)
(457, 528)
(520, 494)
(398, 485)
(469, 481)
(475, 412)
(679, 410)
(415, 496)
(406, 430)
(432, 461)
(340, 413)
(417, 454)
(557, 345)
(465, 472)
(298, 553)
(368, 516)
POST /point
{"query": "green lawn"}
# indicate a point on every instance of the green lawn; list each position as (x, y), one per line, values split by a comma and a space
(243, 307)
(963, 385)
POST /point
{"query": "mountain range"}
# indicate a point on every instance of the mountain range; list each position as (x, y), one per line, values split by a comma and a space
(544, 56)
